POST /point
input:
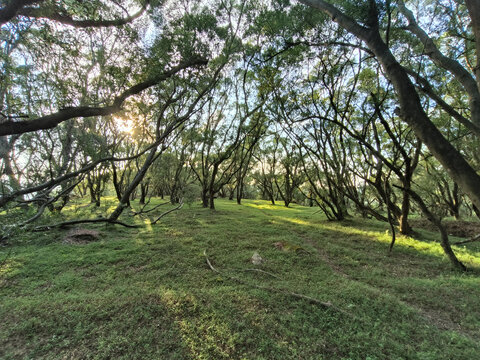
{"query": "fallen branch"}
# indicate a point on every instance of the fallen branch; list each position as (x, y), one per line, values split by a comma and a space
(327, 305)
(84, 221)
(142, 211)
(475, 238)
(168, 212)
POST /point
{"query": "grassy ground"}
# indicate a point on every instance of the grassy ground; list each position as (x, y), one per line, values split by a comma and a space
(148, 293)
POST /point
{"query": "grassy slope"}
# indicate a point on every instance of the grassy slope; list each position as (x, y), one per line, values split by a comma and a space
(148, 294)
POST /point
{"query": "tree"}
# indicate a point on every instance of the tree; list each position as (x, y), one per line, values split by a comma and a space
(81, 70)
(364, 21)
(222, 130)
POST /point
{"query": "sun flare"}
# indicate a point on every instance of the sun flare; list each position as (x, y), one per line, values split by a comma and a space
(125, 125)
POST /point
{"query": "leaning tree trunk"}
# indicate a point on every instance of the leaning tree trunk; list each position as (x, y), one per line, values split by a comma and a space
(133, 185)
(444, 242)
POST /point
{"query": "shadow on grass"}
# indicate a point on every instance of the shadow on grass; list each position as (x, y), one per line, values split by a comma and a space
(148, 293)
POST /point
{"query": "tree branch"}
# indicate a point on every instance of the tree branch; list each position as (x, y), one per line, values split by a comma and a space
(451, 65)
(425, 86)
(11, 10)
(56, 14)
(168, 212)
(6, 198)
(52, 120)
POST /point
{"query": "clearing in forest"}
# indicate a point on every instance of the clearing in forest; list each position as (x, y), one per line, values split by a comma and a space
(322, 290)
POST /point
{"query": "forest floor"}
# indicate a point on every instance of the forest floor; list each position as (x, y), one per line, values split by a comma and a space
(326, 290)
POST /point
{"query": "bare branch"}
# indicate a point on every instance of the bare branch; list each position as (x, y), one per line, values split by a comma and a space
(143, 211)
(425, 86)
(475, 238)
(6, 198)
(451, 65)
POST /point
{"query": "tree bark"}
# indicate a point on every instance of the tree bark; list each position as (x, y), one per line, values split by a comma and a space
(473, 7)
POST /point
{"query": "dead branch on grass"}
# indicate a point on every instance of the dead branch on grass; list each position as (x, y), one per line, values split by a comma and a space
(168, 212)
(84, 221)
(473, 239)
(143, 211)
(327, 305)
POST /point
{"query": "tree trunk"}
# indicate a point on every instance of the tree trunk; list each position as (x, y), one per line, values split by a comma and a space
(473, 7)
(133, 185)
(204, 197)
(443, 233)
(272, 198)
(143, 193)
(211, 198)
(94, 199)
(239, 191)
(476, 210)
(404, 226)
(116, 183)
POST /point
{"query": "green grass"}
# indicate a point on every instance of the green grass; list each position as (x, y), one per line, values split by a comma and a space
(148, 293)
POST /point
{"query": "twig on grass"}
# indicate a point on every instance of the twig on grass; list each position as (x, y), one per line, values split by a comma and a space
(142, 211)
(168, 212)
(473, 239)
(327, 305)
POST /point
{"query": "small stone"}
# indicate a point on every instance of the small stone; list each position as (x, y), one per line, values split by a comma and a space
(256, 259)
